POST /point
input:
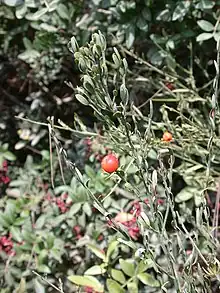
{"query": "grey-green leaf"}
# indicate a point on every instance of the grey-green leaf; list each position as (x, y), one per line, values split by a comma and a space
(206, 25)
(82, 99)
(114, 287)
(127, 267)
(149, 280)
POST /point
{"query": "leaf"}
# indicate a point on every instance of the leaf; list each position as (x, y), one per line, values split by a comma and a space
(181, 10)
(37, 15)
(13, 2)
(118, 276)
(186, 194)
(132, 287)
(145, 265)
(9, 156)
(87, 209)
(40, 221)
(90, 172)
(22, 286)
(16, 233)
(114, 287)
(63, 11)
(206, 25)
(204, 37)
(98, 252)
(39, 288)
(127, 267)
(147, 279)
(111, 248)
(87, 281)
(47, 27)
(82, 99)
(130, 36)
(74, 209)
(43, 269)
(20, 11)
(205, 4)
(95, 270)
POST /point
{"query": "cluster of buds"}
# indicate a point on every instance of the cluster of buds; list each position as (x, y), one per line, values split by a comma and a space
(91, 149)
(62, 201)
(4, 179)
(88, 289)
(6, 245)
(129, 220)
(77, 230)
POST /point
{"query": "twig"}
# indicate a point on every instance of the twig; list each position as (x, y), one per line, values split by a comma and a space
(45, 280)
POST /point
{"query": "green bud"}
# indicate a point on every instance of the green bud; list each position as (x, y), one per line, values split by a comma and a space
(96, 50)
(88, 83)
(82, 99)
(74, 45)
(124, 94)
(82, 64)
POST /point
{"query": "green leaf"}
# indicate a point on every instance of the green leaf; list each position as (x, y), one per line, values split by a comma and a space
(130, 36)
(16, 234)
(147, 279)
(74, 209)
(181, 10)
(204, 37)
(43, 269)
(186, 194)
(22, 286)
(9, 156)
(132, 287)
(98, 252)
(95, 270)
(39, 288)
(111, 248)
(37, 15)
(206, 25)
(118, 276)
(63, 11)
(87, 281)
(21, 11)
(205, 4)
(47, 27)
(114, 287)
(90, 172)
(82, 99)
(144, 265)
(127, 267)
(40, 221)
(87, 209)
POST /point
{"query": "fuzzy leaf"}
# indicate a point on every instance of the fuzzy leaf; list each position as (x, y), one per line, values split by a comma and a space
(127, 267)
(118, 276)
(147, 279)
(114, 287)
(87, 281)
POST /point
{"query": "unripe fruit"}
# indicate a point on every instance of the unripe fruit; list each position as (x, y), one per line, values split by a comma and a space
(110, 163)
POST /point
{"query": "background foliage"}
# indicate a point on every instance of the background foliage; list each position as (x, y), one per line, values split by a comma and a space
(169, 47)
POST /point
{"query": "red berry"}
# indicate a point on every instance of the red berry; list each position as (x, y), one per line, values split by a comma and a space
(110, 163)
(167, 136)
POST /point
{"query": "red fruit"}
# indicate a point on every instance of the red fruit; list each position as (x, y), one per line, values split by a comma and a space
(167, 136)
(110, 163)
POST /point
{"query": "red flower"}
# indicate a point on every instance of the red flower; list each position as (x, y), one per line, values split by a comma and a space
(170, 85)
(6, 245)
(77, 229)
(160, 201)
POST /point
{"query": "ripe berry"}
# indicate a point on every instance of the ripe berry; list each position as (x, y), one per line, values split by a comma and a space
(110, 163)
(167, 136)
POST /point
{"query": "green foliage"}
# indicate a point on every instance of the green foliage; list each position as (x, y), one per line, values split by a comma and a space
(150, 70)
